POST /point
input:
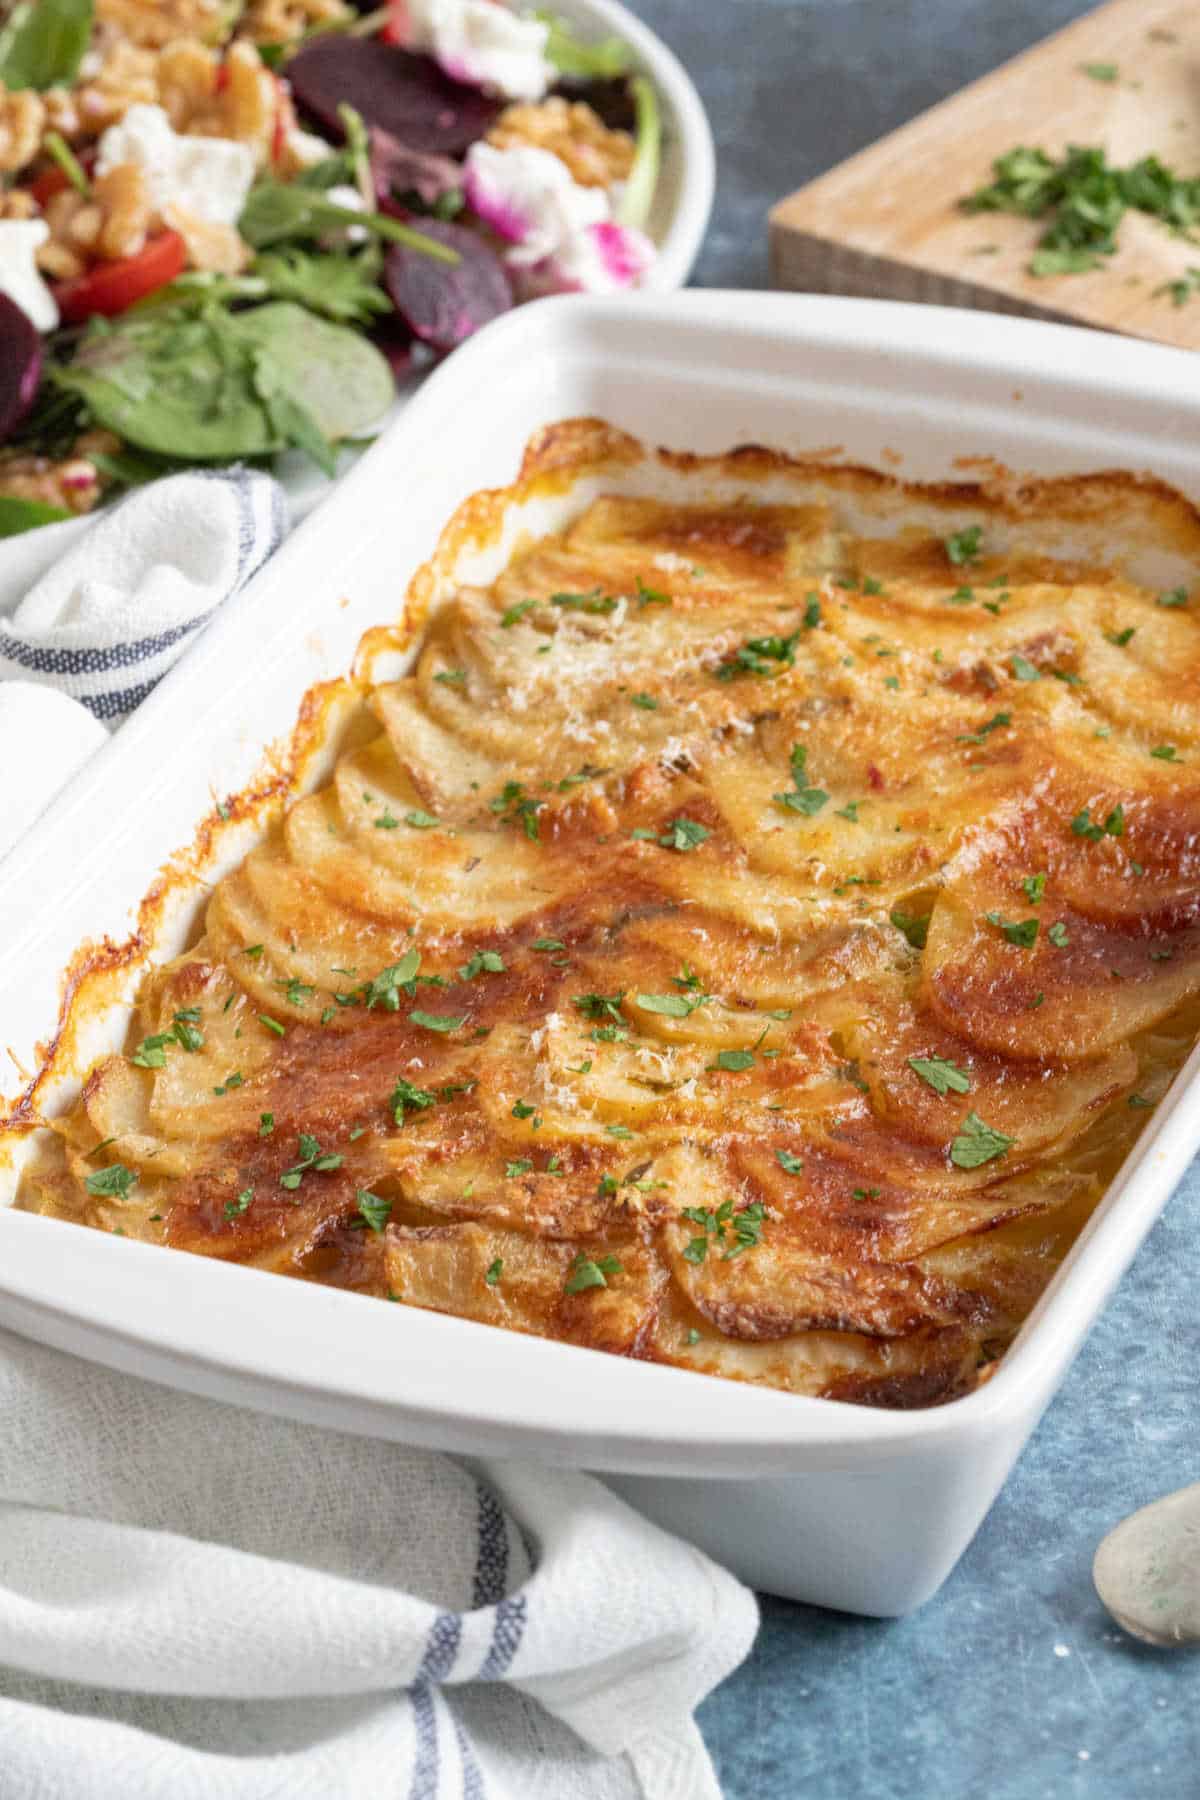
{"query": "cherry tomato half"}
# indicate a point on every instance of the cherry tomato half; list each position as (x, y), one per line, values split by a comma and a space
(110, 287)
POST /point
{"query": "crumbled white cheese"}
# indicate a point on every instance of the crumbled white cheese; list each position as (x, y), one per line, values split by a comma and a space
(20, 241)
(483, 43)
(208, 177)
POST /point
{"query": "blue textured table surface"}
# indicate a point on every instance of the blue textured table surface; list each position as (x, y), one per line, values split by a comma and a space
(1012, 1684)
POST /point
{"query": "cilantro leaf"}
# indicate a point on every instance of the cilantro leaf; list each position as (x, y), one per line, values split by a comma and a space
(114, 1182)
(375, 1211)
(964, 546)
(587, 1272)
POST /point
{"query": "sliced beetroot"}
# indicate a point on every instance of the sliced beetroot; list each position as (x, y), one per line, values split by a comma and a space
(399, 169)
(392, 338)
(20, 365)
(443, 303)
(403, 94)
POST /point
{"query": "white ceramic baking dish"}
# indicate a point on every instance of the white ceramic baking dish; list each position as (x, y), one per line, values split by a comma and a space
(843, 1505)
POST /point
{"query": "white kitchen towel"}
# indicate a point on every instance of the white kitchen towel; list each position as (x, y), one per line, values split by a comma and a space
(98, 610)
(199, 1602)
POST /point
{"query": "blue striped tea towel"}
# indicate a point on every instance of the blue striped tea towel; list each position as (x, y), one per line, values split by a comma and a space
(93, 612)
(198, 1602)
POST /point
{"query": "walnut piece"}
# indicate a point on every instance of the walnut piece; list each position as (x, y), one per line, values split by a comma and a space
(22, 121)
(153, 23)
(571, 131)
(113, 222)
(283, 21)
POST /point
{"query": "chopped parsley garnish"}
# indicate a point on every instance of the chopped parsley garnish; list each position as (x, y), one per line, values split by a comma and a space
(384, 989)
(1139, 1100)
(1024, 670)
(913, 926)
(514, 804)
(646, 701)
(978, 1143)
(1059, 936)
(1166, 753)
(548, 944)
(1100, 71)
(311, 1157)
(272, 1025)
(801, 798)
(762, 656)
(151, 1053)
(733, 1061)
(406, 1096)
(515, 613)
(385, 822)
(964, 546)
(1085, 827)
(484, 962)
(648, 596)
(113, 1182)
(452, 677)
(1182, 289)
(599, 1006)
(522, 1166)
(231, 1081)
(791, 1165)
(943, 1076)
(618, 1131)
(437, 1021)
(596, 601)
(681, 834)
(266, 1124)
(849, 811)
(1084, 197)
(1022, 932)
(296, 992)
(962, 596)
(812, 612)
(1121, 638)
(235, 1208)
(375, 1211)
(523, 1110)
(420, 821)
(1175, 597)
(588, 1272)
(1033, 887)
(673, 1006)
(995, 723)
(745, 1227)
(253, 951)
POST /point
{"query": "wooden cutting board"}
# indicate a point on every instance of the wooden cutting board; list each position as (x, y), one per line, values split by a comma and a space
(888, 222)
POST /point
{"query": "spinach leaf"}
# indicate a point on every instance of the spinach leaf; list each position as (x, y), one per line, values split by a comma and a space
(17, 516)
(345, 288)
(42, 42)
(220, 386)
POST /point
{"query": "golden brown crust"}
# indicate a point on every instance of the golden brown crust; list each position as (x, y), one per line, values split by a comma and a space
(746, 942)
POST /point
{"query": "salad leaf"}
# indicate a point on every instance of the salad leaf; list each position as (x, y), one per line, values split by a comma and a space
(277, 213)
(17, 516)
(219, 386)
(579, 60)
(337, 376)
(42, 42)
(643, 176)
(345, 288)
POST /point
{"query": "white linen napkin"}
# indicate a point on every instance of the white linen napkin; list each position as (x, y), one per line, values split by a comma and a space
(199, 1602)
(99, 609)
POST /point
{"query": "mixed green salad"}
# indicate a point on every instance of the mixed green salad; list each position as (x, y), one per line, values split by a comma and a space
(226, 226)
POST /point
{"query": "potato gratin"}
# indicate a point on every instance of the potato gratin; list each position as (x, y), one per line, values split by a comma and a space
(742, 944)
